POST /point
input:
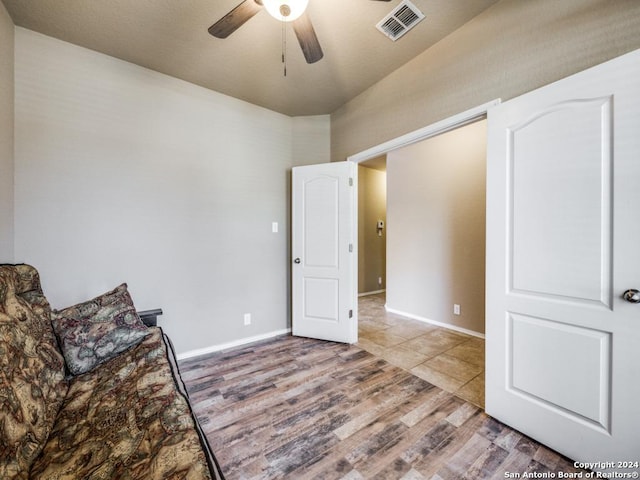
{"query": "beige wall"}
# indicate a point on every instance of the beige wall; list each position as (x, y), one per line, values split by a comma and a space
(436, 238)
(372, 206)
(510, 49)
(6, 137)
(311, 139)
(125, 174)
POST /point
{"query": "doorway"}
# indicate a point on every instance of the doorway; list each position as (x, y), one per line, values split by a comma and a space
(430, 317)
(372, 226)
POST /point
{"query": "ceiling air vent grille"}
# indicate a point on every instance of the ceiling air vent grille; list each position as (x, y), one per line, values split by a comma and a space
(402, 19)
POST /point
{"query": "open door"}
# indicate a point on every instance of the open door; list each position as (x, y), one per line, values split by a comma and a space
(324, 290)
(563, 229)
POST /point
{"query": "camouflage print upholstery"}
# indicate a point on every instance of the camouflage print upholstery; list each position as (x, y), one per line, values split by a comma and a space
(125, 419)
(32, 379)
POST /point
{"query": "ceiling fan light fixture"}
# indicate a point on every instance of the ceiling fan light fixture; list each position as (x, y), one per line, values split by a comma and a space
(285, 10)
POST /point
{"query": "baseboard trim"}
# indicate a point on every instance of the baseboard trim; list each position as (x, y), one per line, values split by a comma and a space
(375, 292)
(235, 343)
(434, 322)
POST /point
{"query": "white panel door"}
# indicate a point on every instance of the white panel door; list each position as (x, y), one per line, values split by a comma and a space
(563, 230)
(323, 267)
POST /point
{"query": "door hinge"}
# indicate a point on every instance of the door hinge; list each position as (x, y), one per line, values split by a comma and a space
(350, 313)
(351, 248)
(351, 181)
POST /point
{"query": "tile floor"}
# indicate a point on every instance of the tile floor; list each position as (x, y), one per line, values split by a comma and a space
(450, 360)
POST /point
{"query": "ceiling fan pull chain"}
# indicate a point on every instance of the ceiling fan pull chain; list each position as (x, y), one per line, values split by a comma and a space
(284, 46)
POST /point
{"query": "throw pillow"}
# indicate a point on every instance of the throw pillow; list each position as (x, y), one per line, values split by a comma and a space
(95, 331)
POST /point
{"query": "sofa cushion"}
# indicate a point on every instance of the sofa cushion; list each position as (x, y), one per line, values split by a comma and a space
(97, 330)
(32, 377)
(125, 419)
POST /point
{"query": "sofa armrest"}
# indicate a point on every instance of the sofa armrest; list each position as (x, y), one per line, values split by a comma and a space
(150, 317)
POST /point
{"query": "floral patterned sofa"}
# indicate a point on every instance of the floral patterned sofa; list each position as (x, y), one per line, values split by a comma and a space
(90, 392)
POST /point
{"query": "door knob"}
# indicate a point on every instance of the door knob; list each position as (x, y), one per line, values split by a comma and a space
(632, 295)
(297, 260)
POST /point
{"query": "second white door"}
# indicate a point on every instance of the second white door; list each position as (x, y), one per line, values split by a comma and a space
(323, 263)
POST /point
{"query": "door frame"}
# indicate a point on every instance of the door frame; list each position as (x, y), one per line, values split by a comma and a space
(432, 130)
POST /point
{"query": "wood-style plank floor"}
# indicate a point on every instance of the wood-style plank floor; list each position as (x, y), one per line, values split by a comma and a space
(295, 408)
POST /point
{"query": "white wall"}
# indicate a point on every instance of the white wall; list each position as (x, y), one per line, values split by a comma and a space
(6, 136)
(125, 174)
(436, 228)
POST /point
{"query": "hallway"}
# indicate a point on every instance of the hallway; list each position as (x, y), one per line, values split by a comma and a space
(451, 360)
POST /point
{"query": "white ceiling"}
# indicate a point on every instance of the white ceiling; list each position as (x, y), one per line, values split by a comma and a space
(170, 36)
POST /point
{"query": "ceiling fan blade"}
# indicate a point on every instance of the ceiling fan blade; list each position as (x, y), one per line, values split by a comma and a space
(235, 18)
(308, 40)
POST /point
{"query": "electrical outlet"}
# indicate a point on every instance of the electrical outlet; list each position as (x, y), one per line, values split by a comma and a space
(456, 309)
(247, 319)
(379, 280)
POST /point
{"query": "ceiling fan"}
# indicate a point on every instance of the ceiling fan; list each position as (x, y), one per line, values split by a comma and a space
(284, 10)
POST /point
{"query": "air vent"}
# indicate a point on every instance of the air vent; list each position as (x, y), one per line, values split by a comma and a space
(402, 19)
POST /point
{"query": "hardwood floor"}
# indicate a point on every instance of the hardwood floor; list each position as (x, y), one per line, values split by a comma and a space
(295, 408)
(450, 360)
